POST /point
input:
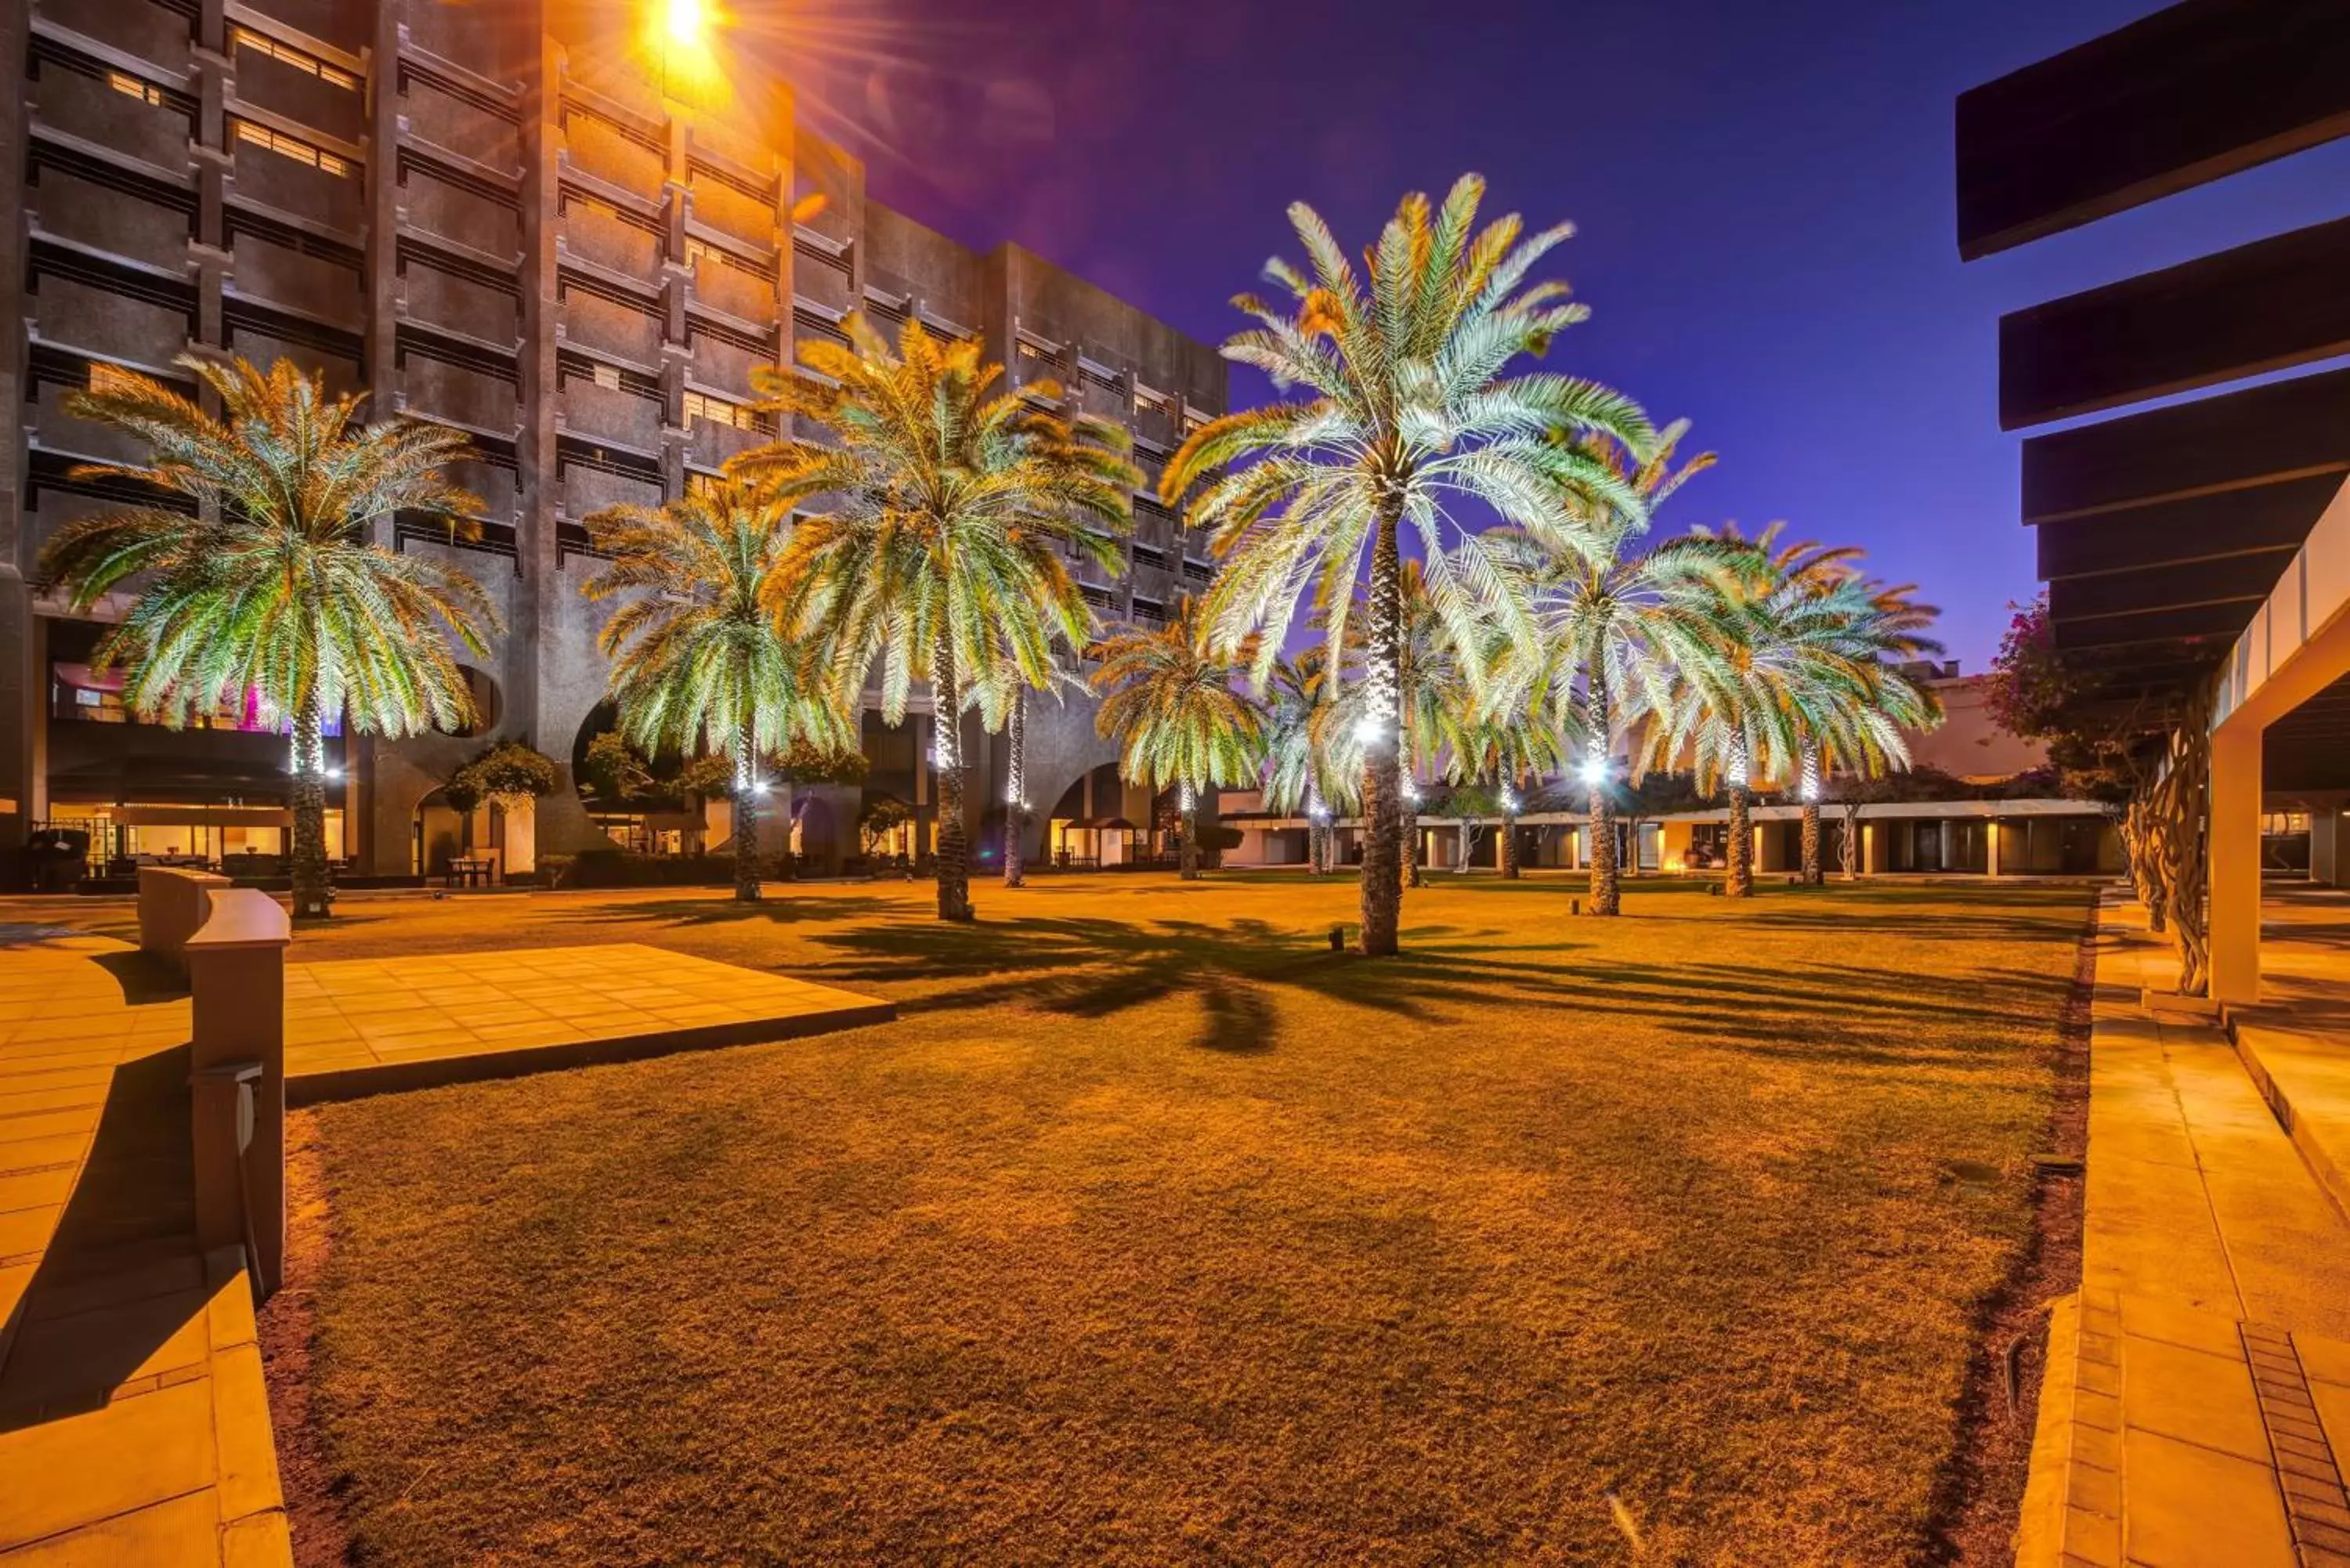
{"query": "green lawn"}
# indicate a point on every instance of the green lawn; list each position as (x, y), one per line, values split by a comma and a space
(1154, 1231)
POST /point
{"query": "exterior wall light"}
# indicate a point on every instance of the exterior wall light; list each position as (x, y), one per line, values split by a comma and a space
(1593, 771)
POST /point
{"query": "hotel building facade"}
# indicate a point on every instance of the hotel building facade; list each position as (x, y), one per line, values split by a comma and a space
(521, 221)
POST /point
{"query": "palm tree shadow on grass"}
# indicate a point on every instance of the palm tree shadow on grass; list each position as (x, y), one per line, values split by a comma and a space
(773, 908)
(1092, 968)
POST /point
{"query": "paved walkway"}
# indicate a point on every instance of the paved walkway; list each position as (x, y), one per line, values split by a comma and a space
(2296, 1043)
(134, 1421)
(362, 1026)
(2198, 1387)
(134, 1424)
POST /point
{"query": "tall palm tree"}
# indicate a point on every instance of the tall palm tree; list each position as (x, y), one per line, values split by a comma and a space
(1301, 770)
(275, 588)
(700, 655)
(1610, 624)
(952, 510)
(1175, 709)
(1407, 411)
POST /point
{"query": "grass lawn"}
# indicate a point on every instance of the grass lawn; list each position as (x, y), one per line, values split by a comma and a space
(1156, 1232)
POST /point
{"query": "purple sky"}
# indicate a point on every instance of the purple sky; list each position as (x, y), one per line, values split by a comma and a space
(1764, 195)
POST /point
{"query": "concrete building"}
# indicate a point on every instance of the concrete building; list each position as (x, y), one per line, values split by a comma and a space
(537, 224)
(2197, 552)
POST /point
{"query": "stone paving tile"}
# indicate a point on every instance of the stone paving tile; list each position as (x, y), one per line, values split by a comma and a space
(134, 1421)
(2205, 1385)
(63, 1474)
(2191, 1507)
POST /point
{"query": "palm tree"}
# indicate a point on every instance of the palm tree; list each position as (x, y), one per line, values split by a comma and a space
(1173, 706)
(1508, 744)
(951, 512)
(1610, 624)
(1438, 668)
(1000, 691)
(701, 656)
(1407, 411)
(275, 587)
(1300, 772)
(1760, 677)
(1865, 700)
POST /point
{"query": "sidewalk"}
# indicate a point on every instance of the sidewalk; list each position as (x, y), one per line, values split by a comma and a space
(134, 1424)
(2198, 1387)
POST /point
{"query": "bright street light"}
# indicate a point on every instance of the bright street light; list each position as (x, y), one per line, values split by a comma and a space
(1594, 769)
(685, 22)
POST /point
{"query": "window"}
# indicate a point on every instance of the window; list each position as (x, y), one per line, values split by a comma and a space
(699, 251)
(718, 411)
(286, 54)
(1146, 401)
(606, 376)
(286, 146)
(106, 377)
(131, 86)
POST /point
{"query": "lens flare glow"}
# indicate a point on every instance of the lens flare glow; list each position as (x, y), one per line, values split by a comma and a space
(685, 22)
(1594, 769)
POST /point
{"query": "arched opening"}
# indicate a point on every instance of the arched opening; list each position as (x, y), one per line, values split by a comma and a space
(455, 846)
(636, 801)
(489, 703)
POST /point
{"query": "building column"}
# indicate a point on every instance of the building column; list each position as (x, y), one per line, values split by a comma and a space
(2324, 827)
(1991, 847)
(1872, 848)
(2232, 915)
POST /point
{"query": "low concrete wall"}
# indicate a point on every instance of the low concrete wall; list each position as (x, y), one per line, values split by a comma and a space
(237, 980)
(173, 904)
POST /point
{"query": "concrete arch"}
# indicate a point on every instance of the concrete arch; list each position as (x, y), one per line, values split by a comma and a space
(1062, 749)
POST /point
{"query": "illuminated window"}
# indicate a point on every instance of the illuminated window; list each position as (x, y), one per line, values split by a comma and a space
(699, 251)
(607, 377)
(286, 146)
(717, 411)
(131, 86)
(106, 377)
(1148, 401)
(286, 54)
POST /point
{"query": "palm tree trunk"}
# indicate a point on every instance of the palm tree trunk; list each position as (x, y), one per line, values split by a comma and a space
(1607, 894)
(1408, 844)
(1015, 791)
(1317, 832)
(1809, 788)
(1188, 800)
(746, 817)
(310, 886)
(954, 851)
(1468, 836)
(1739, 850)
(1509, 846)
(1849, 849)
(1382, 803)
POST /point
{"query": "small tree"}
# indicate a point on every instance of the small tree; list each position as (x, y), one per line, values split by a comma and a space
(884, 815)
(614, 769)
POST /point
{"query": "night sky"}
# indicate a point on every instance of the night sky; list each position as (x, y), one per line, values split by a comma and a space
(1762, 193)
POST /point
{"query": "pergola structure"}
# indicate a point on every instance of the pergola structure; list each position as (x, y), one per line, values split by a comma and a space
(2196, 555)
